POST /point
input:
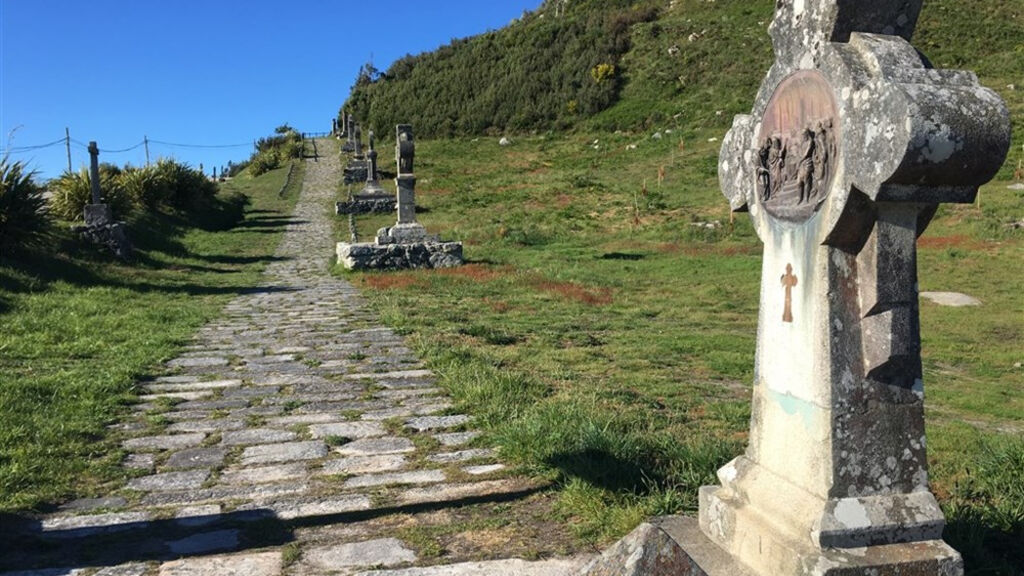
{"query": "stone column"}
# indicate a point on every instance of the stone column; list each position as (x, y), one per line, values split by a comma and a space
(358, 142)
(853, 142)
(406, 184)
(96, 213)
(94, 172)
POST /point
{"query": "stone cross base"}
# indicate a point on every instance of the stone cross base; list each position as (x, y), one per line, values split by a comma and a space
(367, 256)
(411, 233)
(368, 205)
(676, 546)
(373, 188)
(356, 172)
(760, 540)
(98, 215)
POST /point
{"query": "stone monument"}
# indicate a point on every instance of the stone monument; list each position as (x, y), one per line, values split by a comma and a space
(100, 226)
(347, 129)
(373, 198)
(853, 142)
(406, 244)
(357, 169)
(372, 187)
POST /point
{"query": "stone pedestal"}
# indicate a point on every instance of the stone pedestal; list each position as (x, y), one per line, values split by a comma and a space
(98, 214)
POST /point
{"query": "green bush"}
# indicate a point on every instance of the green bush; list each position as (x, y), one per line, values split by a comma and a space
(72, 191)
(264, 162)
(23, 218)
(186, 187)
(146, 187)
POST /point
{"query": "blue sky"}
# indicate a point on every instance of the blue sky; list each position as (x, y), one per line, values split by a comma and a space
(195, 72)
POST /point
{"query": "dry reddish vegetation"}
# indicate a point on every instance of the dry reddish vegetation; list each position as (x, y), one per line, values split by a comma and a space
(479, 272)
(955, 241)
(573, 291)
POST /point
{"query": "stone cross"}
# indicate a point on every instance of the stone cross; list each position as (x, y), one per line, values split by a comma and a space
(350, 128)
(405, 148)
(789, 281)
(94, 172)
(372, 185)
(406, 230)
(853, 142)
(358, 136)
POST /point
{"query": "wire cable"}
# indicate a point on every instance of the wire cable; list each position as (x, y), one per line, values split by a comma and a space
(176, 145)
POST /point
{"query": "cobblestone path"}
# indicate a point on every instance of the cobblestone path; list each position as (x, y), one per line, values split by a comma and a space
(296, 435)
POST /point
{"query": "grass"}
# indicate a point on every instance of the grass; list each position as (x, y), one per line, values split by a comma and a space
(605, 337)
(80, 329)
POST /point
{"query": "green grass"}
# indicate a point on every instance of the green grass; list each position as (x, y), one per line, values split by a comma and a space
(80, 328)
(606, 342)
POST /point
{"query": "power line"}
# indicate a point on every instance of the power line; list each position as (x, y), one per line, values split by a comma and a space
(16, 149)
(246, 145)
(84, 146)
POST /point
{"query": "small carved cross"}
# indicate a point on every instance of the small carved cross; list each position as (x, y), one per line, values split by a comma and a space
(789, 280)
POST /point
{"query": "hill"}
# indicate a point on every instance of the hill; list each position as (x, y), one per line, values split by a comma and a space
(626, 64)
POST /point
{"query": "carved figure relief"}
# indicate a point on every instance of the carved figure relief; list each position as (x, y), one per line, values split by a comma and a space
(796, 160)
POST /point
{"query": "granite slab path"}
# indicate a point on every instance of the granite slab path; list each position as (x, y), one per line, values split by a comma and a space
(297, 435)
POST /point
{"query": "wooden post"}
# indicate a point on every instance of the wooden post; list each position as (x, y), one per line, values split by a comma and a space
(145, 140)
(67, 142)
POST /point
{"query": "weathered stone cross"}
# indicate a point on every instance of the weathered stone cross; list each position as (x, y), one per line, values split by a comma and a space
(853, 142)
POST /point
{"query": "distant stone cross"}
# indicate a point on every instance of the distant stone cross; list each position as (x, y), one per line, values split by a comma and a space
(789, 281)
(852, 143)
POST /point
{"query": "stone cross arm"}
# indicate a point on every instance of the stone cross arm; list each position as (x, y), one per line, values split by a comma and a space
(901, 131)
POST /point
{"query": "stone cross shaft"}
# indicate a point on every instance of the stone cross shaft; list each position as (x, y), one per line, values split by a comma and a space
(853, 142)
(94, 172)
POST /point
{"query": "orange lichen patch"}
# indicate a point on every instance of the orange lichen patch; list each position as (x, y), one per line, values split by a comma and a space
(573, 291)
(392, 281)
(478, 272)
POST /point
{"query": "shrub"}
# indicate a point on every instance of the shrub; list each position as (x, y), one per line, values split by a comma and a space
(72, 191)
(146, 187)
(187, 188)
(23, 218)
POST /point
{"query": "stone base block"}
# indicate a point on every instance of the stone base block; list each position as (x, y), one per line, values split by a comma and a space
(377, 205)
(112, 235)
(769, 548)
(668, 546)
(98, 215)
(676, 546)
(366, 256)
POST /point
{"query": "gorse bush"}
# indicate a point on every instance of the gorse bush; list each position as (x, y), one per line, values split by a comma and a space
(274, 151)
(543, 72)
(23, 219)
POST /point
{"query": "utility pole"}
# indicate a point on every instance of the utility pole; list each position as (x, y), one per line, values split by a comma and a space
(67, 142)
(145, 140)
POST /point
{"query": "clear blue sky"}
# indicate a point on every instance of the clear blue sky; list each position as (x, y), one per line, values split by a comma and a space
(201, 72)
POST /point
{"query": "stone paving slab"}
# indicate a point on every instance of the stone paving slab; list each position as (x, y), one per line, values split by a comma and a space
(257, 564)
(381, 552)
(286, 452)
(511, 567)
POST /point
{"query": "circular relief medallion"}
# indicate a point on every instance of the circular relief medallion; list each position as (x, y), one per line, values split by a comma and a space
(797, 147)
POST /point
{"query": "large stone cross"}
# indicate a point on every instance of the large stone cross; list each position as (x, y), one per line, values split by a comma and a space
(853, 142)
